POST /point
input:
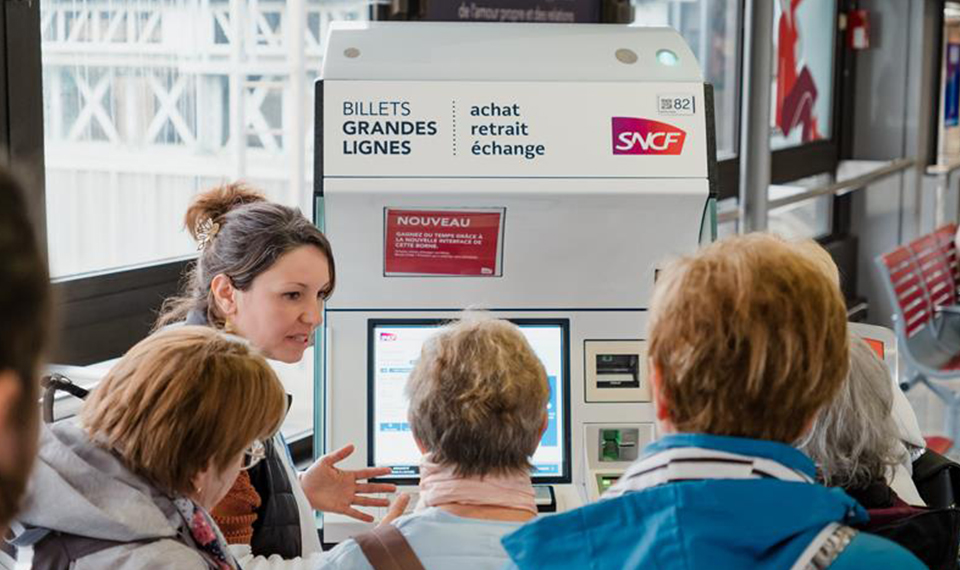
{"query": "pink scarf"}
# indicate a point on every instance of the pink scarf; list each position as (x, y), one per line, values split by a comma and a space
(439, 486)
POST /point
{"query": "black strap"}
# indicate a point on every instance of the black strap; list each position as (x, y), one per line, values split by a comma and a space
(386, 548)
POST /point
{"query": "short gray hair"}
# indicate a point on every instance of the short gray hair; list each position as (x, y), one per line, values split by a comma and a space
(854, 440)
(478, 397)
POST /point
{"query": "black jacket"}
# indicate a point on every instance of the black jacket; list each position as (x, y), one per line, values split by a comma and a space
(277, 528)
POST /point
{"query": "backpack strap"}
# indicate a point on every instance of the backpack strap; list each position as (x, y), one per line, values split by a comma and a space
(59, 550)
(824, 549)
(386, 549)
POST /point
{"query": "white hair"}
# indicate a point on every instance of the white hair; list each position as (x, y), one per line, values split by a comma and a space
(854, 440)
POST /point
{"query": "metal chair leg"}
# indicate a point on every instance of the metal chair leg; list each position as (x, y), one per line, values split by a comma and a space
(910, 382)
(951, 423)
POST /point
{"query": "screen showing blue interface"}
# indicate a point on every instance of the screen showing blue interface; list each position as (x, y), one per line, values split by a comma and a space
(396, 348)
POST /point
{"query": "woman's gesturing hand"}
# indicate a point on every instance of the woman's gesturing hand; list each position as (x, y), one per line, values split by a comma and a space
(334, 490)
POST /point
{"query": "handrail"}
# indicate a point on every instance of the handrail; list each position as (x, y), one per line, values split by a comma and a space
(857, 182)
(943, 168)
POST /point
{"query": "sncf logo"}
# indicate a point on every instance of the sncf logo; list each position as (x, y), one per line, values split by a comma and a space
(643, 136)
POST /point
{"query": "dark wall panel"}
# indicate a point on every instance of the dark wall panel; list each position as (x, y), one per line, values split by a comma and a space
(105, 315)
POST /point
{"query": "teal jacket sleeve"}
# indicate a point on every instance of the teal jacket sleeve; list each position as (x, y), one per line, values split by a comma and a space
(877, 553)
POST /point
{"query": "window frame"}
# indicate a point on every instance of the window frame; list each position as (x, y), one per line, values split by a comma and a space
(21, 96)
(933, 146)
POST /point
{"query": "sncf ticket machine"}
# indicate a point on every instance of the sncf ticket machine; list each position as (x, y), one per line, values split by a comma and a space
(541, 172)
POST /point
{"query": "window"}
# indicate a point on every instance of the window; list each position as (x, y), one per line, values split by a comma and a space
(143, 100)
(712, 29)
(147, 102)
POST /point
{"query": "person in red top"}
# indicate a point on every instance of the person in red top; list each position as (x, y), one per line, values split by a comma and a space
(796, 91)
(787, 36)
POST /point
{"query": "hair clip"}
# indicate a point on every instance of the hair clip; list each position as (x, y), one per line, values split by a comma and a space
(205, 232)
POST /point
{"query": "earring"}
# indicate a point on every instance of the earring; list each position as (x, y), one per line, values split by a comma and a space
(228, 327)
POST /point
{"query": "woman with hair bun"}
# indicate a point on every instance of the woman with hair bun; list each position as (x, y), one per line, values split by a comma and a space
(263, 273)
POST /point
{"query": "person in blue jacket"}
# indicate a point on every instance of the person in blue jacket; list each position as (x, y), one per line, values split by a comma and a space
(747, 341)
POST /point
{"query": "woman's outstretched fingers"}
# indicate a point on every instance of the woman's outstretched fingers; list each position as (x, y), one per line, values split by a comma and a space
(372, 472)
(362, 501)
(396, 509)
(376, 488)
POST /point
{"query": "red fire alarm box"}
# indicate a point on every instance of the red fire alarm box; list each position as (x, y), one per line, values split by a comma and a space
(858, 29)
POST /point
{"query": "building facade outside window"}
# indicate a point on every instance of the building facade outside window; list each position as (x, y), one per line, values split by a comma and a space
(147, 102)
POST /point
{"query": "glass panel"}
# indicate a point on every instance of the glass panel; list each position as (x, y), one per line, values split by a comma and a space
(808, 219)
(142, 101)
(731, 226)
(801, 109)
(712, 29)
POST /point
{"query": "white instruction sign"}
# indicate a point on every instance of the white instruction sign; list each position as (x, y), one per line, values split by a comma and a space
(480, 129)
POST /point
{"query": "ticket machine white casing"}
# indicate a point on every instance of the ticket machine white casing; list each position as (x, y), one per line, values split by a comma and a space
(584, 228)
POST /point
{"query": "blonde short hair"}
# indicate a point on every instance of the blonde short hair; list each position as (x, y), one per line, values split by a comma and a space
(478, 397)
(750, 335)
(182, 400)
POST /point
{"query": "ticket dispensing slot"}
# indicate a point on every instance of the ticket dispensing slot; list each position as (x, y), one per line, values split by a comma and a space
(618, 371)
(615, 371)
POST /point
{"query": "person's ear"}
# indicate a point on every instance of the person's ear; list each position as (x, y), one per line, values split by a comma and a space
(9, 395)
(224, 295)
(10, 386)
(660, 403)
(808, 425)
(420, 446)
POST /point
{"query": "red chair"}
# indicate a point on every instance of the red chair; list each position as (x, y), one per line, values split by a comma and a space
(922, 279)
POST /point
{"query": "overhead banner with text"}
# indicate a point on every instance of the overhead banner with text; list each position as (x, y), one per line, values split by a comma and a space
(464, 129)
(550, 11)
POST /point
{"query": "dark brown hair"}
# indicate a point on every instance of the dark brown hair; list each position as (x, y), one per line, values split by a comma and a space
(251, 235)
(184, 399)
(25, 309)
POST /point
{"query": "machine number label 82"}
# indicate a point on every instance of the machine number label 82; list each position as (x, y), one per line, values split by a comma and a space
(676, 104)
